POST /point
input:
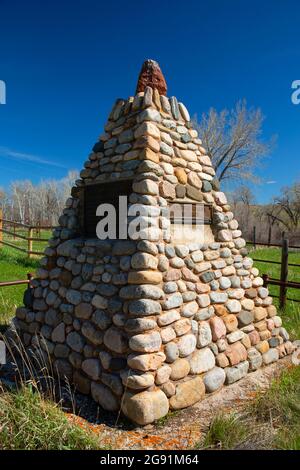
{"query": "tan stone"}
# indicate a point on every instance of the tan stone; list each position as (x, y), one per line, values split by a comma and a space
(222, 360)
(180, 368)
(147, 128)
(145, 407)
(182, 326)
(167, 190)
(260, 325)
(263, 346)
(187, 393)
(231, 323)
(144, 277)
(180, 175)
(247, 304)
(220, 310)
(145, 362)
(189, 155)
(148, 154)
(194, 179)
(246, 342)
(147, 142)
(266, 334)
(272, 311)
(260, 313)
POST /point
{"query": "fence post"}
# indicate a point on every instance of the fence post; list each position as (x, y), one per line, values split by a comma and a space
(265, 279)
(1, 225)
(254, 237)
(284, 272)
(30, 235)
(269, 235)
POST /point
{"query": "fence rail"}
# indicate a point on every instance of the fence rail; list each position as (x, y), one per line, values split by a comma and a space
(283, 283)
(16, 283)
(10, 229)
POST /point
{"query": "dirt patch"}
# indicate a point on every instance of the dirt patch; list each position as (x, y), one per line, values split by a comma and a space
(181, 430)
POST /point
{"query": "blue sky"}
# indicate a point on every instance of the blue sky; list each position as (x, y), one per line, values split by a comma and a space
(65, 63)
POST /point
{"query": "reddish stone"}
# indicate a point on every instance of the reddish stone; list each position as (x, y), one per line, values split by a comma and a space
(151, 75)
(236, 353)
(172, 275)
(202, 288)
(254, 337)
(189, 276)
(218, 328)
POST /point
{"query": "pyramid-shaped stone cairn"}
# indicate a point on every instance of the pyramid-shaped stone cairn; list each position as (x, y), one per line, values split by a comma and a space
(150, 325)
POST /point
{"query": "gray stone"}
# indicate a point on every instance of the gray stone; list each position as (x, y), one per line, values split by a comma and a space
(124, 247)
(115, 340)
(63, 369)
(139, 325)
(58, 334)
(147, 291)
(99, 302)
(181, 250)
(149, 342)
(92, 334)
(245, 318)
(75, 341)
(173, 301)
(149, 114)
(101, 319)
(137, 381)
(236, 372)
(189, 309)
(186, 345)
(113, 382)
(254, 358)
(144, 307)
(204, 334)
(171, 352)
(218, 297)
(73, 297)
(270, 356)
(102, 395)
(92, 368)
(83, 310)
(201, 361)
(224, 282)
(214, 379)
(235, 336)
(208, 276)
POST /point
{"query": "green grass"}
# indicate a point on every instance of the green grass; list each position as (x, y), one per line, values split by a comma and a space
(30, 422)
(291, 314)
(14, 266)
(225, 432)
(271, 421)
(36, 245)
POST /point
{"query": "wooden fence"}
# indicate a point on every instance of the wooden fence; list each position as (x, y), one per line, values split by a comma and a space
(17, 283)
(9, 227)
(283, 282)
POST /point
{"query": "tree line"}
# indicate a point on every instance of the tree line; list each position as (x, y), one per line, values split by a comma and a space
(36, 204)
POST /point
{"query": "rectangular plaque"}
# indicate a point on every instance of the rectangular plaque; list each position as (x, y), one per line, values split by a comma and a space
(101, 193)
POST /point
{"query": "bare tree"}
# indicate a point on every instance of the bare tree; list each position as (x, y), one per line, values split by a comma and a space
(233, 141)
(286, 208)
(40, 203)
